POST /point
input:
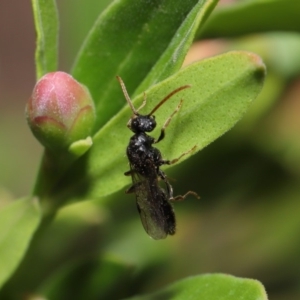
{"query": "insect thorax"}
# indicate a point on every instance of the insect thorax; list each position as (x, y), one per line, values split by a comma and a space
(141, 153)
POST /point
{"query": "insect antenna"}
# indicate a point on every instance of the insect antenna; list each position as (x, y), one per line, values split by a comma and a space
(126, 95)
(167, 98)
(143, 104)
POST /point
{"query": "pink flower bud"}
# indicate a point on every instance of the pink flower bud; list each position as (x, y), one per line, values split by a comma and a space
(60, 111)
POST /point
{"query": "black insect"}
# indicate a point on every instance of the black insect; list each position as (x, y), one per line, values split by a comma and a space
(153, 200)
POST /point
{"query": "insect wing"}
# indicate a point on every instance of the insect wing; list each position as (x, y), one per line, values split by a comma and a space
(156, 212)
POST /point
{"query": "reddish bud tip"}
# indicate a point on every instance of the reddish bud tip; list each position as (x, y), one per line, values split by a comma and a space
(60, 111)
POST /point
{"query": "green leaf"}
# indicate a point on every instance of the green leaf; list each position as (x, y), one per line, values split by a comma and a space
(282, 52)
(18, 222)
(46, 25)
(210, 287)
(128, 39)
(89, 278)
(79, 18)
(279, 50)
(252, 16)
(172, 58)
(222, 89)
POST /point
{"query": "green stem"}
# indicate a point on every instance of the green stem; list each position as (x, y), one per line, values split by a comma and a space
(52, 169)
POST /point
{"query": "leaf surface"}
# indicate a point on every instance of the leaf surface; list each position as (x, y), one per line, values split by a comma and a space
(252, 16)
(128, 39)
(210, 287)
(222, 89)
(18, 222)
(46, 25)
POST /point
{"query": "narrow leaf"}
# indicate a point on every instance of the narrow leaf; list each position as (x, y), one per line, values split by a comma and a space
(128, 39)
(101, 276)
(222, 89)
(172, 58)
(46, 25)
(211, 287)
(18, 222)
(252, 16)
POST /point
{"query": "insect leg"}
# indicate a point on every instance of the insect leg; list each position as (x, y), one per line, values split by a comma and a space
(163, 176)
(182, 197)
(162, 132)
(173, 161)
(133, 188)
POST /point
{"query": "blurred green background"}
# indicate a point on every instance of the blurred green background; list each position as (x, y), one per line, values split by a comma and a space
(247, 222)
